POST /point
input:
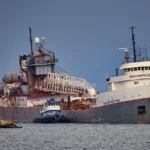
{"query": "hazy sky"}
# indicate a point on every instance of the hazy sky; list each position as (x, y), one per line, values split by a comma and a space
(84, 34)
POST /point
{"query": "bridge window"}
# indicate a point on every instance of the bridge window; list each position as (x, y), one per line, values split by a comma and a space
(136, 69)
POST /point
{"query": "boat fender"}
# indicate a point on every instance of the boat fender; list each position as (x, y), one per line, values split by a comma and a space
(57, 117)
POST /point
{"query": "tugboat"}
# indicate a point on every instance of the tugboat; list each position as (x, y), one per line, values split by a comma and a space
(51, 113)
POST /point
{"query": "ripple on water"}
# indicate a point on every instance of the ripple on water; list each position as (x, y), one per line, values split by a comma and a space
(76, 137)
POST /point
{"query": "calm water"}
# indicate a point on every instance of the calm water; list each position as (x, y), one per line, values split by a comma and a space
(76, 137)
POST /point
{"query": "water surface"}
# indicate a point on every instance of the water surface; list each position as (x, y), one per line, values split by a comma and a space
(76, 137)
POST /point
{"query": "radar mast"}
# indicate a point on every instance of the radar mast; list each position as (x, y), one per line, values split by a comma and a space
(133, 43)
(126, 54)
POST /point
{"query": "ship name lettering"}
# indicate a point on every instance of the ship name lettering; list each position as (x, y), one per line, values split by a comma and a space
(140, 75)
(112, 101)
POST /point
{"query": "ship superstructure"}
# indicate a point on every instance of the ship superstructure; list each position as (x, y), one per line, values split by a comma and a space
(40, 79)
(133, 84)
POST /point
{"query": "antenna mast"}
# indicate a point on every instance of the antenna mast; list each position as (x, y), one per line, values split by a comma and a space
(133, 43)
(146, 56)
(31, 40)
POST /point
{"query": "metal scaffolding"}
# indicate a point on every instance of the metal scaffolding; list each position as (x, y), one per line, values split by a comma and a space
(64, 84)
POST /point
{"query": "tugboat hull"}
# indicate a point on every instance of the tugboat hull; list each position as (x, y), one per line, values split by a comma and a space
(51, 119)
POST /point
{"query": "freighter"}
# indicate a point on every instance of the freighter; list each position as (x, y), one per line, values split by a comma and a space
(127, 99)
(23, 95)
